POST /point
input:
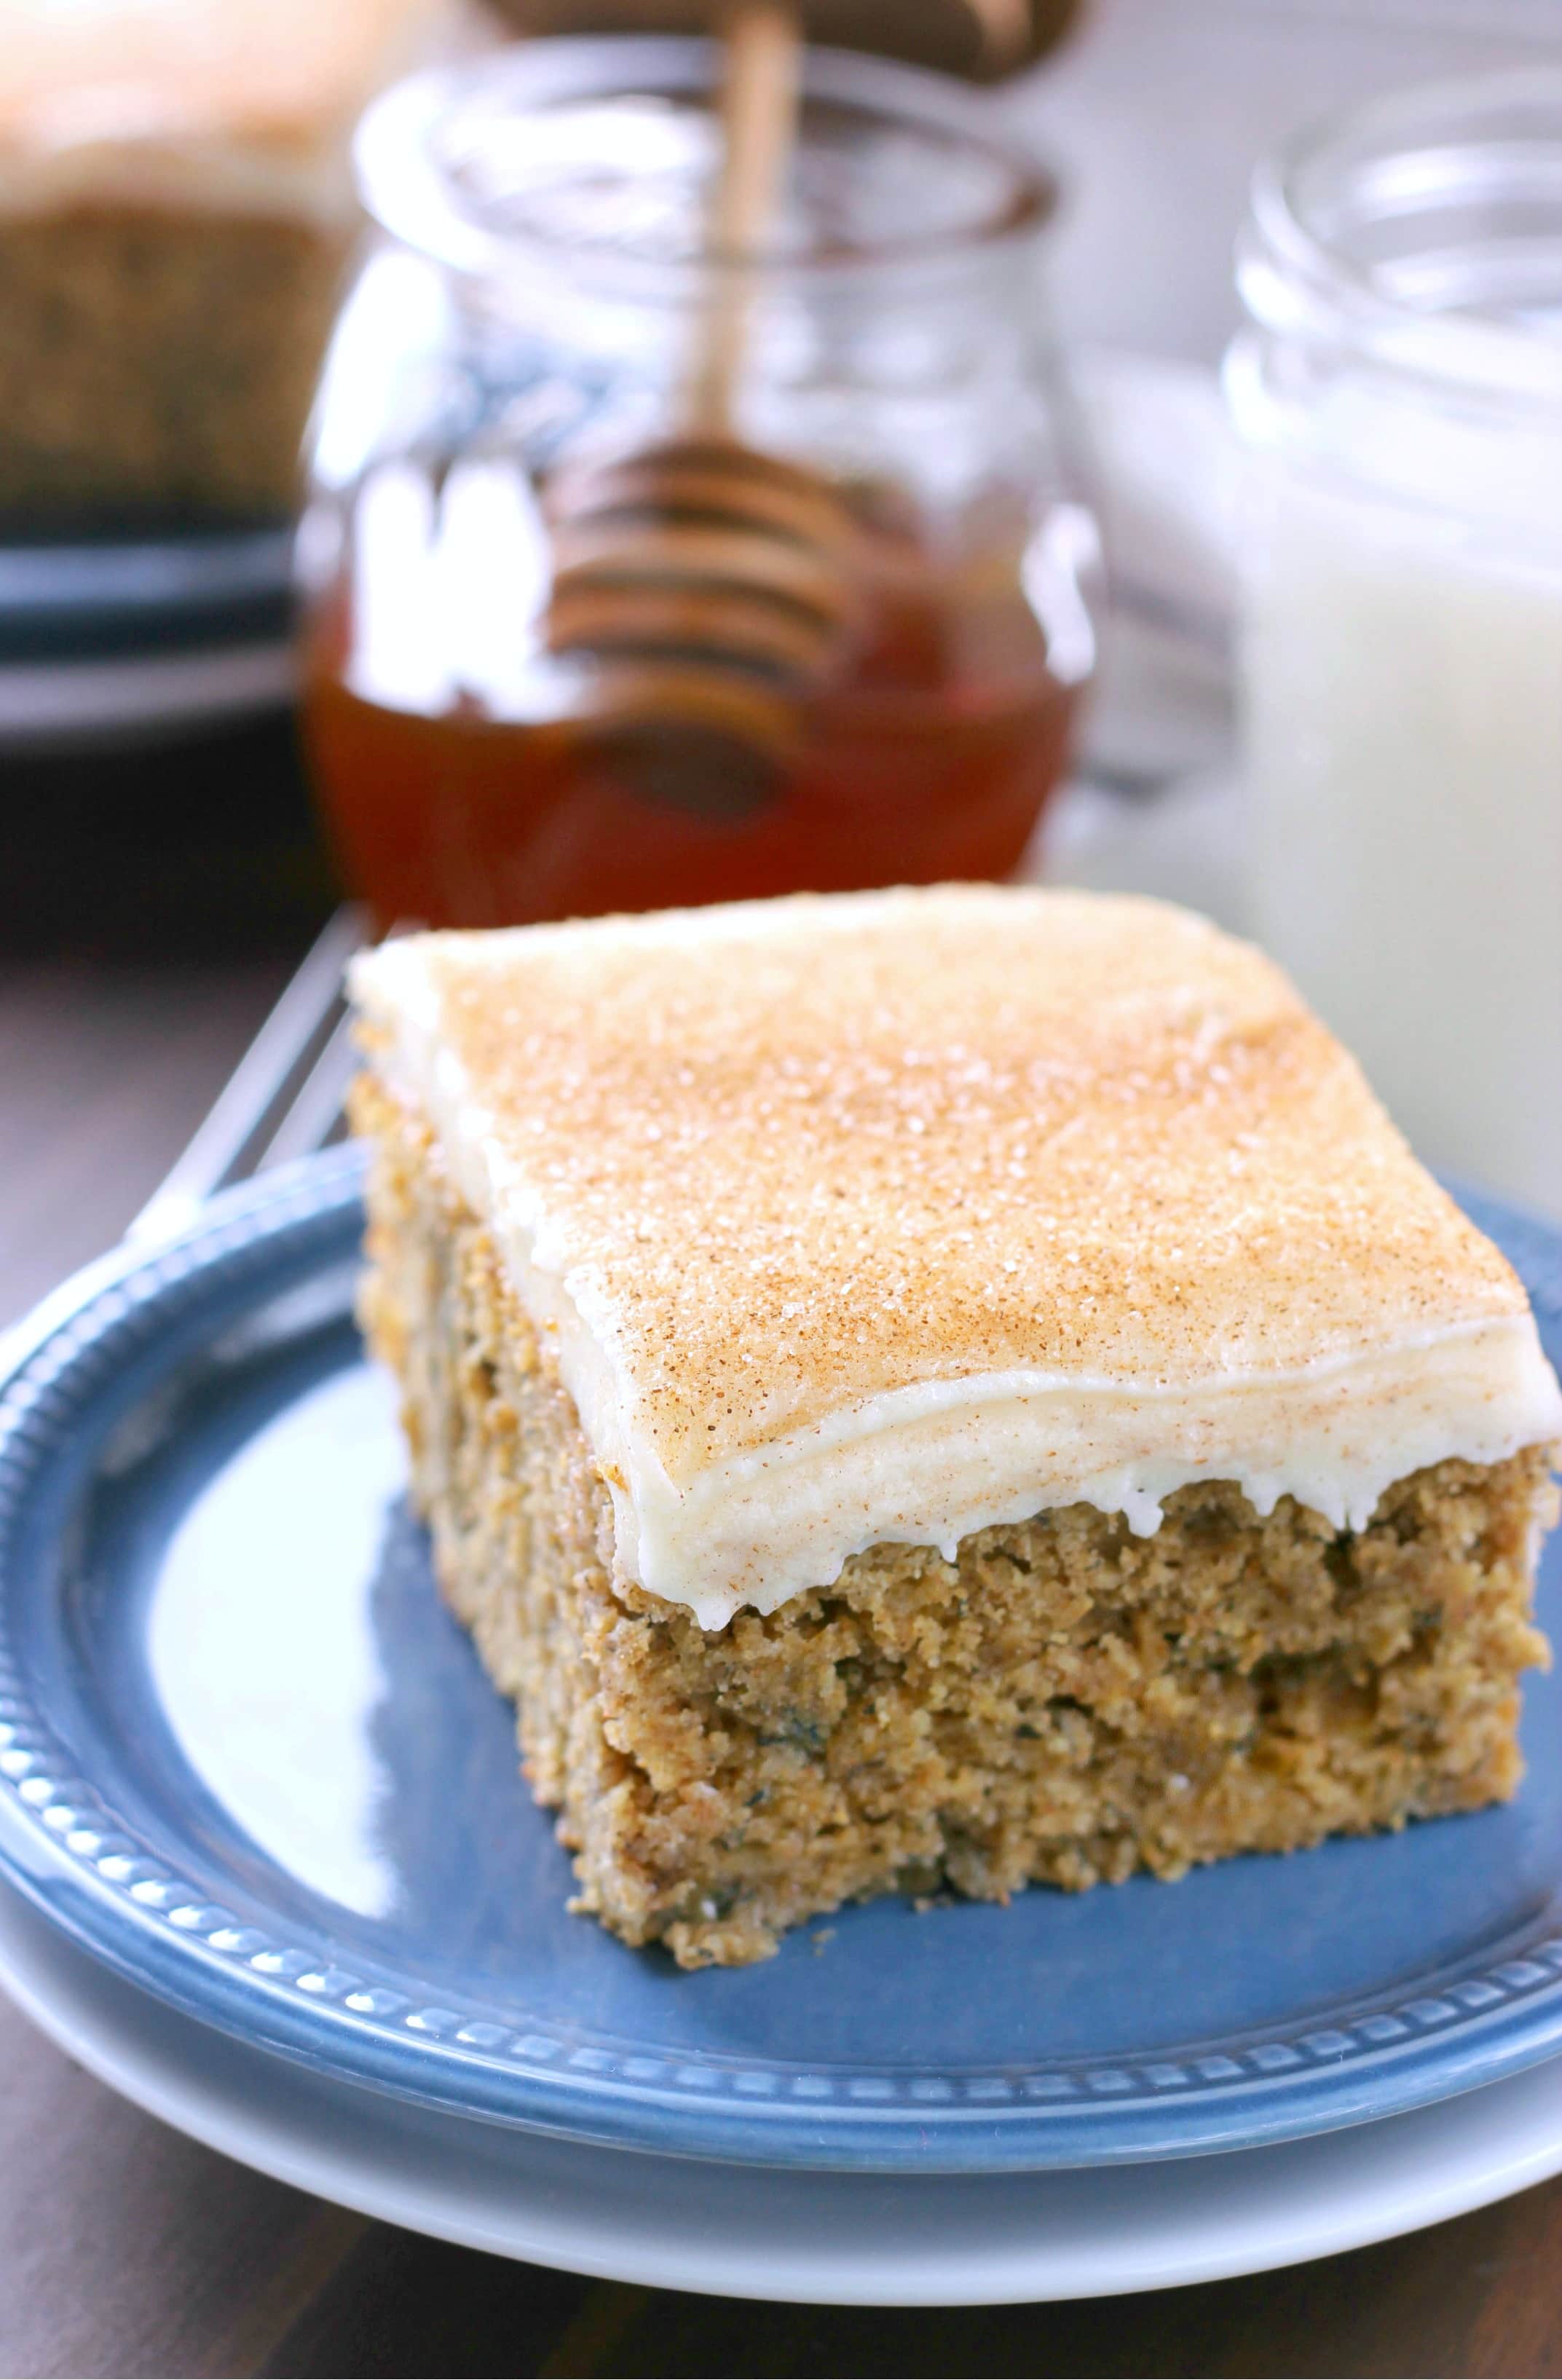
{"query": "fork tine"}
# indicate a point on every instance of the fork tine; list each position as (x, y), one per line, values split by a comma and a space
(316, 1108)
(258, 1085)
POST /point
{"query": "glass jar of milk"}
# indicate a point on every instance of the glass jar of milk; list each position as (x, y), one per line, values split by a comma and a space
(1400, 390)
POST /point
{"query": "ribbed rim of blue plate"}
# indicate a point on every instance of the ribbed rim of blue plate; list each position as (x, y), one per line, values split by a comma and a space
(70, 1854)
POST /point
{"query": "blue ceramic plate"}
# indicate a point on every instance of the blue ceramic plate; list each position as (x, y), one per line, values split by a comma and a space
(250, 1763)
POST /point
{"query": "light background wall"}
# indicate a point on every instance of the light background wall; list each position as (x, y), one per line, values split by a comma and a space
(1158, 110)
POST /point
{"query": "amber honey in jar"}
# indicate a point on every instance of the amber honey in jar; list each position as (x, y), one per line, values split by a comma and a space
(529, 318)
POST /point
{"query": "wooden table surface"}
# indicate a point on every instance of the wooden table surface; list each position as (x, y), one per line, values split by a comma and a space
(126, 2249)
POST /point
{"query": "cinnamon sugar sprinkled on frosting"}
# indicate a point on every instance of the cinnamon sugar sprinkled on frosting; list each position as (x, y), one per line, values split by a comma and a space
(1027, 1196)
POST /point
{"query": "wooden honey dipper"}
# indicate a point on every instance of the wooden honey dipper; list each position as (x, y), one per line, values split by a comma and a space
(710, 583)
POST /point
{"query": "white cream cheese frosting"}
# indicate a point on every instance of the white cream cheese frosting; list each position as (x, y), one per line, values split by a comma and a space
(234, 106)
(891, 1217)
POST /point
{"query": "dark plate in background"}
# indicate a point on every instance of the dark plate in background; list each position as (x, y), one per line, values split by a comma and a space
(77, 597)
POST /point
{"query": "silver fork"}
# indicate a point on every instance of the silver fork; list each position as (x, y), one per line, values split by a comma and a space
(282, 1100)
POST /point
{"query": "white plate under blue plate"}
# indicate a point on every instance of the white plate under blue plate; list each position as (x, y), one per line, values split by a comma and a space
(251, 1765)
(834, 2239)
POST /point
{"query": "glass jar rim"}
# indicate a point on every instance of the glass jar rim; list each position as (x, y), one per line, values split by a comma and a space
(407, 185)
(1494, 138)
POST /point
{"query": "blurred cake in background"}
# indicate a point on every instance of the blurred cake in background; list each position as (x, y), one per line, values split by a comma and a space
(175, 211)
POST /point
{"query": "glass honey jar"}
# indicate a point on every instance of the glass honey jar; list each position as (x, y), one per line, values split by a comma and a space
(513, 710)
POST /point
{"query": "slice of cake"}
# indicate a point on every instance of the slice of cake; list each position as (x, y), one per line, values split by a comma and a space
(961, 1387)
(177, 211)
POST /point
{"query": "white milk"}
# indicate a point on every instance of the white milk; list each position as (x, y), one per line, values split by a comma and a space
(1401, 396)
(1403, 694)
